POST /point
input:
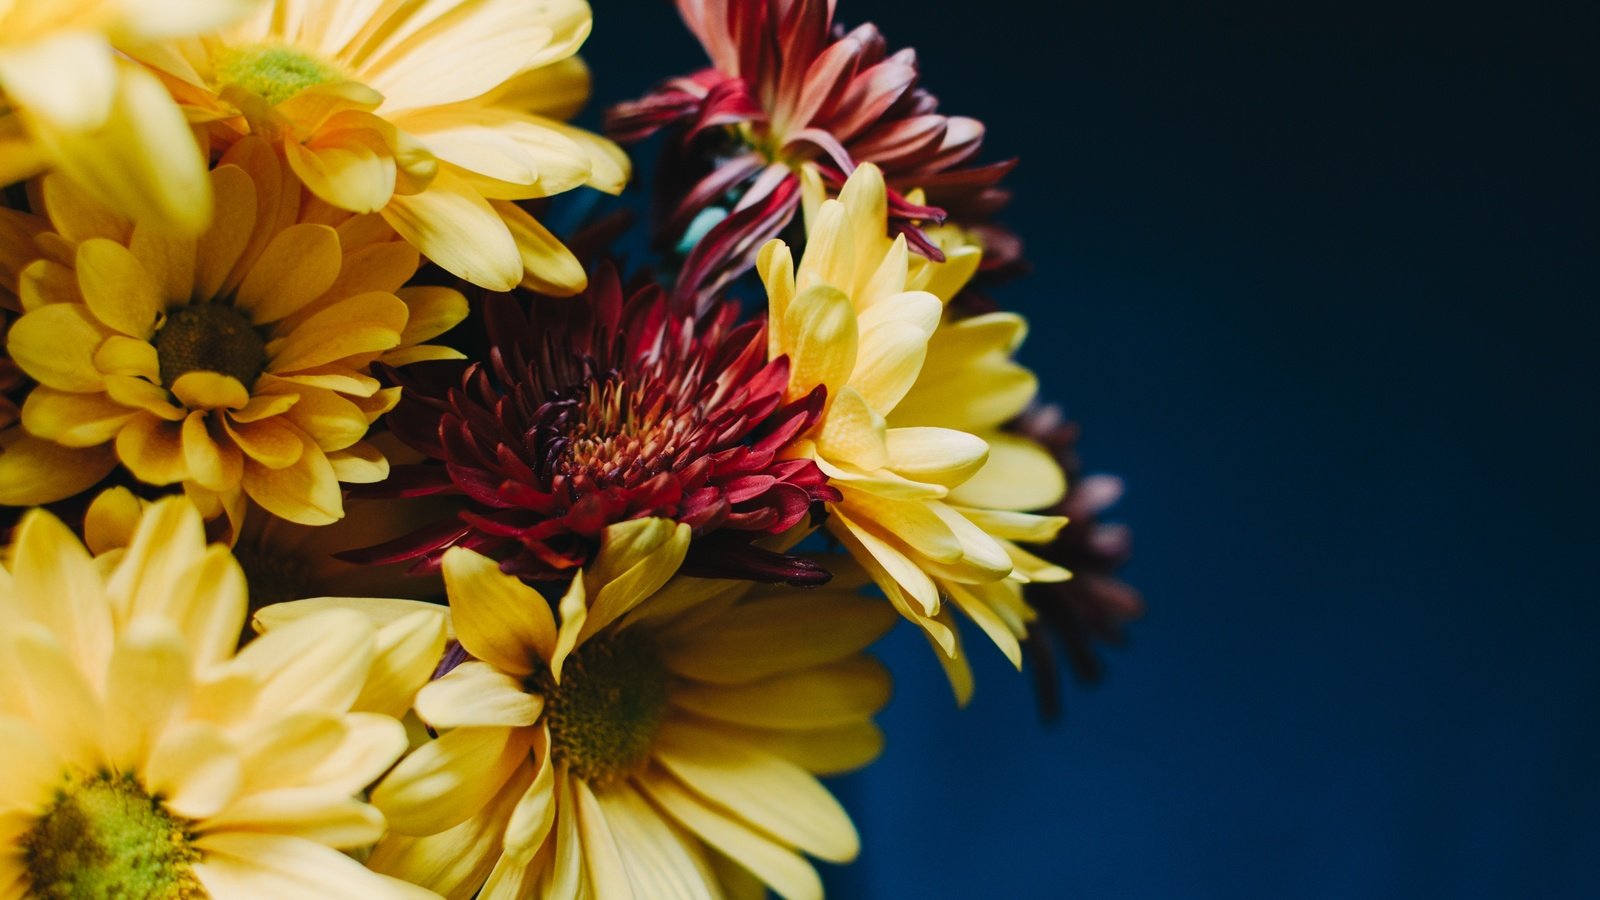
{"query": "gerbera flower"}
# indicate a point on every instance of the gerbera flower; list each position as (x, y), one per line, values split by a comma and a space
(235, 364)
(788, 94)
(604, 408)
(70, 103)
(1095, 604)
(144, 758)
(930, 489)
(436, 115)
(609, 755)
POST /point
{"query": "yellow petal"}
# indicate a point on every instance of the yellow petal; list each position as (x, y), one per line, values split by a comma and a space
(217, 251)
(210, 390)
(853, 433)
(636, 558)
(476, 694)
(365, 323)
(445, 781)
(822, 324)
(942, 456)
(111, 520)
(548, 266)
(273, 444)
(776, 634)
(498, 619)
(460, 231)
(196, 769)
(254, 864)
(147, 683)
(215, 466)
(405, 654)
(353, 171)
(56, 584)
(299, 264)
(786, 871)
(119, 291)
(823, 697)
(307, 491)
(74, 420)
(820, 751)
(1020, 475)
(318, 663)
(770, 793)
(35, 471)
(121, 355)
(152, 449)
(55, 345)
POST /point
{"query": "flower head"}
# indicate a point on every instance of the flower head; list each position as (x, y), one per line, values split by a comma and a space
(144, 758)
(654, 724)
(435, 115)
(235, 364)
(70, 103)
(600, 409)
(789, 94)
(931, 491)
(1095, 604)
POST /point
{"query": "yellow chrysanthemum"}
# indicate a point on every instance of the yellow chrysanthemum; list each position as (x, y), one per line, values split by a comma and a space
(862, 318)
(144, 758)
(68, 102)
(639, 745)
(438, 115)
(235, 364)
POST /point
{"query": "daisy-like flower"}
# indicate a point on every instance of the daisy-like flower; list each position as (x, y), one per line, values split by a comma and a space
(235, 364)
(69, 102)
(437, 115)
(1095, 604)
(143, 758)
(604, 408)
(930, 489)
(787, 95)
(615, 754)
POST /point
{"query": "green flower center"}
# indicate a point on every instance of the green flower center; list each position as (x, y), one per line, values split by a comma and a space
(274, 73)
(105, 838)
(209, 337)
(605, 713)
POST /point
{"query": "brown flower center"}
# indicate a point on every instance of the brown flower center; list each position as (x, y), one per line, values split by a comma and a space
(209, 337)
(104, 837)
(605, 713)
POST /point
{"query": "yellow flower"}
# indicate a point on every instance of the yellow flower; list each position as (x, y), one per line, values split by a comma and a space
(863, 319)
(438, 115)
(143, 757)
(629, 750)
(235, 364)
(68, 102)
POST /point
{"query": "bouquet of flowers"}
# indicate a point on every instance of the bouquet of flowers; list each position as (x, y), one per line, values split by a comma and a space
(377, 530)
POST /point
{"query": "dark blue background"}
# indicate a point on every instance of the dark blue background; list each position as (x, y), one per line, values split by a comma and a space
(1320, 282)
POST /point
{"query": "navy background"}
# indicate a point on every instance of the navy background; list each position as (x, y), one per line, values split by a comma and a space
(1320, 282)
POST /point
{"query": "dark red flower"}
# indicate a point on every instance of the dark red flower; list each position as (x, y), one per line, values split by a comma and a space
(1094, 604)
(787, 90)
(599, 409)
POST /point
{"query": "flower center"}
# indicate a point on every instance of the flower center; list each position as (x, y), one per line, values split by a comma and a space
(104, 837)
(605, 713)
(209, 337)
(274, 73)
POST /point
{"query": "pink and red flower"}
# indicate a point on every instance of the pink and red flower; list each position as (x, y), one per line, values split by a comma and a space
(602, 408)
(791, 90)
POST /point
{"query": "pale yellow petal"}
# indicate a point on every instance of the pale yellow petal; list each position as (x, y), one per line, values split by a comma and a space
(196, 769)
(477, 694)
(779, 634)
(771, 793)
(779, 866)
(460, 231)
(445, 781)
(497, 618)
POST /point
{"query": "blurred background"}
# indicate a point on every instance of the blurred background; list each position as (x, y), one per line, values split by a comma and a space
(1320, 283)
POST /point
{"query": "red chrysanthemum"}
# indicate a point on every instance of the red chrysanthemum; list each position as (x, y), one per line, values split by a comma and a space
(599, 409)
(793, 91)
